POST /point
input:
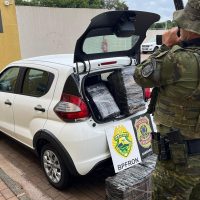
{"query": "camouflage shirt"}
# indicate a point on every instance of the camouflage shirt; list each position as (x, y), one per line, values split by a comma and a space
(176, 71)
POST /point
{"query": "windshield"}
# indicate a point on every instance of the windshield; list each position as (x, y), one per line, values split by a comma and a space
(150, 40)
(109, 43)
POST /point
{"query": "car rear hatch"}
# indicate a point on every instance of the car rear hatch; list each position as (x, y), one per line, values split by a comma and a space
(114, 34)
(109, 49)
(110, 44)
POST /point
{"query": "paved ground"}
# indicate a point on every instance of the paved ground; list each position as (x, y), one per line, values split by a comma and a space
(22, 165)
(10, 189)
(6, 193)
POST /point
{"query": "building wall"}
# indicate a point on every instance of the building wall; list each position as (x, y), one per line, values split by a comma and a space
(151, 35)
(40, 31)
(9, 38)
(45, 31)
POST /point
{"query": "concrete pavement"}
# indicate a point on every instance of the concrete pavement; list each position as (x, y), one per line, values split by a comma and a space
(6, 193)
(9, 189)
(24, 167)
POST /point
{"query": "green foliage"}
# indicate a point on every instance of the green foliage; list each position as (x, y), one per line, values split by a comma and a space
(115, 4)
(163, 25)
(108, 4)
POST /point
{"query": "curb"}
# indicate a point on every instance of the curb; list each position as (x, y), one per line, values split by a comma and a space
(15, 187)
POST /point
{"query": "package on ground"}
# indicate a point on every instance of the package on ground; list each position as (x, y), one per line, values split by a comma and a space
(127, 94)
(133, 183)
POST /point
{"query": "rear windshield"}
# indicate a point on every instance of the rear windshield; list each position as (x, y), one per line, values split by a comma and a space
(109, 43)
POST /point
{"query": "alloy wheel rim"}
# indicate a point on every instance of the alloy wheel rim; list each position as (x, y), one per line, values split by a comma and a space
(52, 166)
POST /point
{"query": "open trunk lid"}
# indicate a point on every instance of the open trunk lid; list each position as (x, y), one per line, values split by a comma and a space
(114, 34)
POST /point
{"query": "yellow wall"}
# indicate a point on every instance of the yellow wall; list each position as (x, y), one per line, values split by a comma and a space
(9, 39)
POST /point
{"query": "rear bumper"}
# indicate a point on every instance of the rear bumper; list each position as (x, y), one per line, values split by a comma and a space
(86, 145)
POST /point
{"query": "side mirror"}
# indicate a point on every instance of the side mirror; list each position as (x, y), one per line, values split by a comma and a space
(159, 39)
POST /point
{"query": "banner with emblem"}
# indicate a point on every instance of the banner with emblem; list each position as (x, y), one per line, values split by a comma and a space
(123, 146)
(143, 127)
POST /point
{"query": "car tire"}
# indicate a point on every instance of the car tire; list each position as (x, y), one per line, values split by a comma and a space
(54, 167)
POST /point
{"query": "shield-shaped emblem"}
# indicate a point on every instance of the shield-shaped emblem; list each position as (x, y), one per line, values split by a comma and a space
(122, 141)
(143, 130)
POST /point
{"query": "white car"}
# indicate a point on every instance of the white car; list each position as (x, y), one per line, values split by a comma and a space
(43, 101)
(149, 47)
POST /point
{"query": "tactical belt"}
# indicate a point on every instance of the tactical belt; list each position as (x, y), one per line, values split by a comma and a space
(174, 147)
(193, 146)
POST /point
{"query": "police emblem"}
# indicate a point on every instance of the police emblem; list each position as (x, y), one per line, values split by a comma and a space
(147, 70)
(122, 141)
(143, 130)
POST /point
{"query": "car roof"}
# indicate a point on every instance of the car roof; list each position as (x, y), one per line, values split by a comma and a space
(65, 62)
(61, 60)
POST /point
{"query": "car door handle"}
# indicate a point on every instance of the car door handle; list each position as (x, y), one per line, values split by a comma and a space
(7, 102)
(39, 108)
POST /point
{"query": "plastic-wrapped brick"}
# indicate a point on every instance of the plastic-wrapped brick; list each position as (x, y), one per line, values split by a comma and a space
(127, 93)
(133, 183)
(103, 100)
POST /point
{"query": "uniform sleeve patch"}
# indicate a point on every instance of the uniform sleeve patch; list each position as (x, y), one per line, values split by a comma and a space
(147, 70)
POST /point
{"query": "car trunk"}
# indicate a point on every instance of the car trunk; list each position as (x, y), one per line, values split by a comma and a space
(112, 94)
(106, 75)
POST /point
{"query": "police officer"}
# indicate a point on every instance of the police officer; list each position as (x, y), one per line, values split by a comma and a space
(175, 70)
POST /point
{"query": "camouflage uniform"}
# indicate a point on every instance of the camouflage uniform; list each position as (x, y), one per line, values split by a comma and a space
(176, 71)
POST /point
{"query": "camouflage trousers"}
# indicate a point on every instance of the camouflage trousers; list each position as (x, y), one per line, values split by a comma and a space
(177, 182)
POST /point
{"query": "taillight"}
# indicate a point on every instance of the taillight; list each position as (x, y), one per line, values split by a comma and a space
(71, 108)
(147, 93)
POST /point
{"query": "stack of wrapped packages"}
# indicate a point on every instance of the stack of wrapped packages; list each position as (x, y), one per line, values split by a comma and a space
(103, 101)
(121, 96)
(127, 93)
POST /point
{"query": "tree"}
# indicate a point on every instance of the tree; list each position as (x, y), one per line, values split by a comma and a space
(96, 4)
(108, 4)
(163, 25)
(55, 3)
(115, 4)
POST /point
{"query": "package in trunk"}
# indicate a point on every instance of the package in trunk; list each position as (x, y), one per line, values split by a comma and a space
(103, 101)
(127, 93)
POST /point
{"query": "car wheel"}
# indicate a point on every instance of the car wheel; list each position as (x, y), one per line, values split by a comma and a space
(54, 167)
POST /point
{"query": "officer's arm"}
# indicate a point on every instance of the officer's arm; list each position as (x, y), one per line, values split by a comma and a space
(148, 73)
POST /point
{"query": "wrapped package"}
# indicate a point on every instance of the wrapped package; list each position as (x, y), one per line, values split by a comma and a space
(103, 101)
(127, 93)
(133, 183)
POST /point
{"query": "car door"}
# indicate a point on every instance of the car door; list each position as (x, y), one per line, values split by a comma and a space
(8, 80)
(31, 105)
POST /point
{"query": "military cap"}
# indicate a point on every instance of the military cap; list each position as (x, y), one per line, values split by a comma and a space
(189, 17)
